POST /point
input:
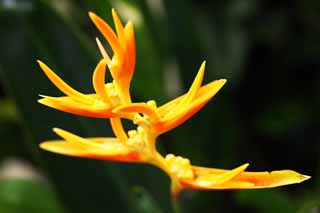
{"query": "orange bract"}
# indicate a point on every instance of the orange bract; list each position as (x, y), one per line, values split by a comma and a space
(96, 148)
(123, 45)
(112, 101)
(209, 178)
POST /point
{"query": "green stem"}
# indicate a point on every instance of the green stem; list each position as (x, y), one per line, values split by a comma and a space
(175, 204)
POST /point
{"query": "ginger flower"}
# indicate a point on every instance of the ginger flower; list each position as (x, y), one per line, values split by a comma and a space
(112, 101)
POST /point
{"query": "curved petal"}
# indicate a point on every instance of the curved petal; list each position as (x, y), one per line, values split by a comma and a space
(99, 109)
(103, 51)
(98, 80)
(203, 95)
(130, 51)
(119, 27)
(242, 180)
(122, 71)
(107, 32)
(95, 148)
(62, 86)
(218, 179)
(144, 108)
(189, 96)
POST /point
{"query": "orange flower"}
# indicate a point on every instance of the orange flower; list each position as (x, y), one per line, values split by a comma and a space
(113, 101)
(107, 96)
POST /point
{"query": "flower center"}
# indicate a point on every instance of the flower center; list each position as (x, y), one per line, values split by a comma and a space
(179, 166)
(113, 94)
(137, 138)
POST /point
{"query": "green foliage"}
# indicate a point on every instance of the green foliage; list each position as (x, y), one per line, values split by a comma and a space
(144, 202)
(18, 195)
(266, 201)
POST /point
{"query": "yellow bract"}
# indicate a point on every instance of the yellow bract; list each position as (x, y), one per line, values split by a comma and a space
(112, 101)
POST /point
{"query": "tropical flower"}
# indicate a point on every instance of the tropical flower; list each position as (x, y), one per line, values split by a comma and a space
(112, 101)
(106, 96)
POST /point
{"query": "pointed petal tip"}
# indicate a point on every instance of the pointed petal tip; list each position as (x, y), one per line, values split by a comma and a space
(129, 24)
(246, 165)
(41, 64)
(102, 62)
(113, 11)
(59, 131)
(287, 177)
(91, 14)
(305, 177)
(222, 82)
(63, 133)
(203, 66)
(43, 146)
(299, 178)
(43, 99)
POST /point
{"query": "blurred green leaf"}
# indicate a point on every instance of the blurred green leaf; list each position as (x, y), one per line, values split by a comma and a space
(280, 119)
(8, 111)
(266, 201)
(224, 38)
(144, 201)
(184, 42)
(18, 195)
(310, 206)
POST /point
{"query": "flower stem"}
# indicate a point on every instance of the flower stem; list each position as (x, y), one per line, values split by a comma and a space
(175, 204)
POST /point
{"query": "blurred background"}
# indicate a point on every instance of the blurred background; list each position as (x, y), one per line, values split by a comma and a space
(267, 114)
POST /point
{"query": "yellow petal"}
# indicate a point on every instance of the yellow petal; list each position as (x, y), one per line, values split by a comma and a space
(243, 180)
(122, 64)
(119, 27)
(67, 104)
(272, 179)
(169, 106)
(103, 51)
(189, 96)
(130, 51)
(118, 130)
(61, 85)
(107, 32)
(204, 94)
(137, 107)
(99, 80)
(122, 71)
(218, 179)
(97, 148)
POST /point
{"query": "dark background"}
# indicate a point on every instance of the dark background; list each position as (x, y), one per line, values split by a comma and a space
(267, 114)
